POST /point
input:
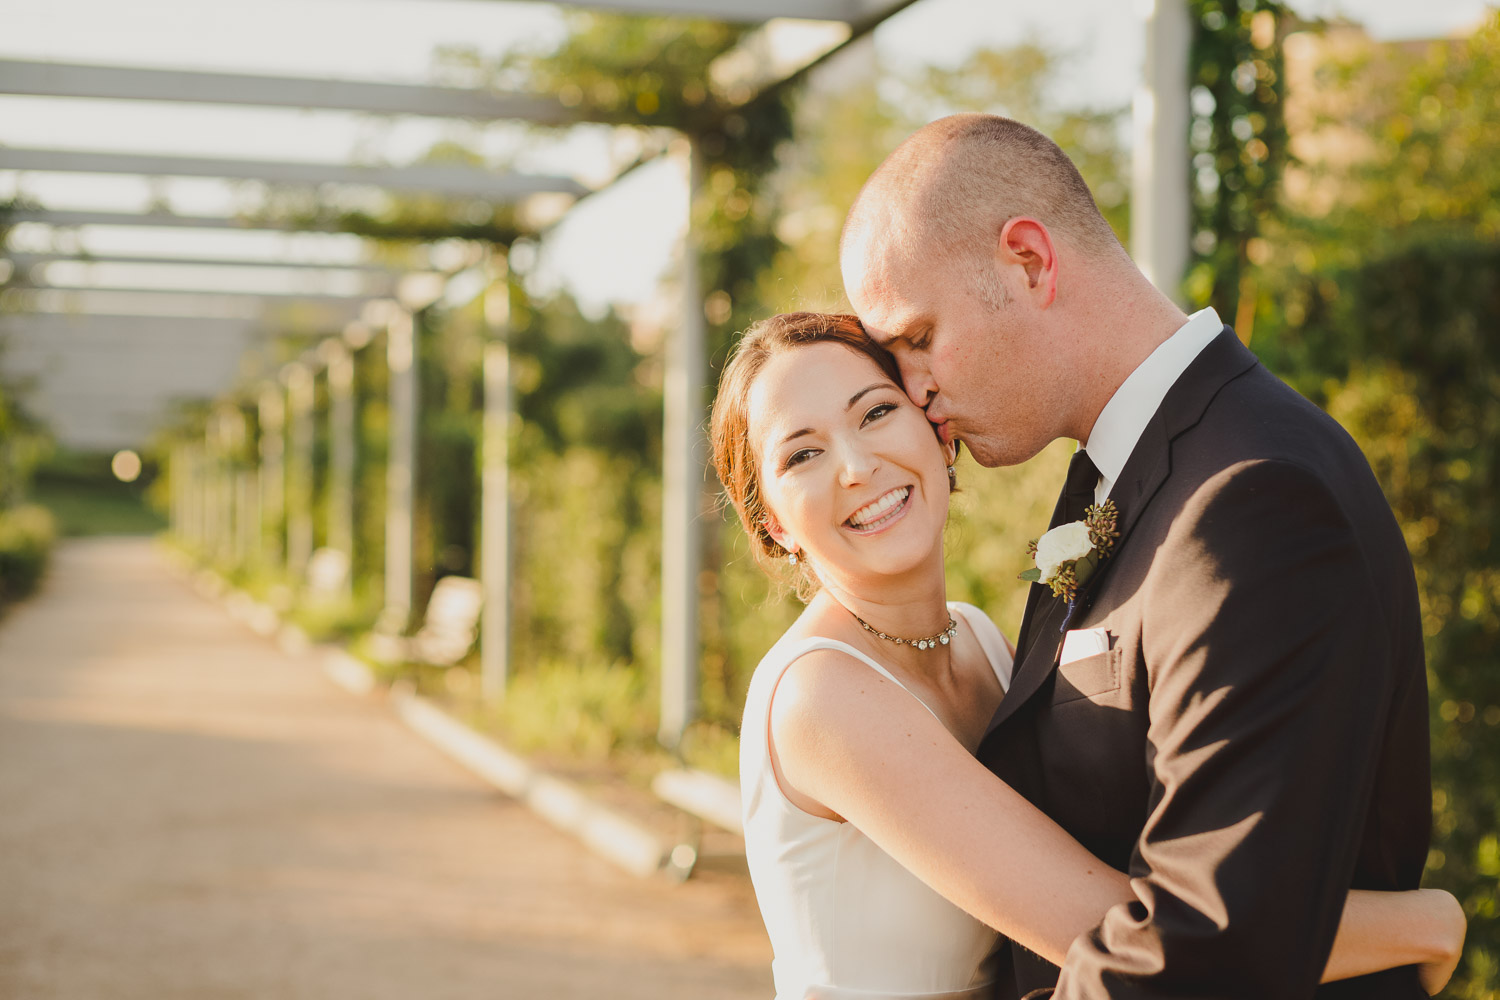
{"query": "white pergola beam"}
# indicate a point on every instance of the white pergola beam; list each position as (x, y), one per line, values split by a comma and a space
(47, 79)
(742, 11)
(465, 182)
(160, 220)
(25, 260)
(64, 322)
(321, 298)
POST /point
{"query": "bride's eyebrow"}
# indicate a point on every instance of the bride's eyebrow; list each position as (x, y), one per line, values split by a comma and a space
(860, 394)
(796, 434)
(847, 407)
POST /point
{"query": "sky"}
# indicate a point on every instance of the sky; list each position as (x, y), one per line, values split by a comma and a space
(614, 247)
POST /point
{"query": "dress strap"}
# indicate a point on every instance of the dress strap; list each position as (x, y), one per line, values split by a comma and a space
(817, 642)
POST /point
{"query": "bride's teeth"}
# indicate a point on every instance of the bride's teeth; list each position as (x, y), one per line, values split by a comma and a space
(872, 512)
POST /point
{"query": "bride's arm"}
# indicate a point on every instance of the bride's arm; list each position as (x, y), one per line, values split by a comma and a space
(1381, 930)
(847, 739)
(852, 741)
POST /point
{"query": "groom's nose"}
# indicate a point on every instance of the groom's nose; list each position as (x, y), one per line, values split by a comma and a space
(920, 388)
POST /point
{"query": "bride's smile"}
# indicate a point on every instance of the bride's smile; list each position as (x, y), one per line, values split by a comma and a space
(880, 514)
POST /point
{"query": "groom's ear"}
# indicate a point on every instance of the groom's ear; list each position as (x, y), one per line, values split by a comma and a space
(1026, 243)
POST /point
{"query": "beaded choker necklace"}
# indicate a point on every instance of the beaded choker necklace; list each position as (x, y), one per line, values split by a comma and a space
(929, 642)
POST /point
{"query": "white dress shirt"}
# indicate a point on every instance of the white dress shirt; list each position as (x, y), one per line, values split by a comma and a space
(1124, 418)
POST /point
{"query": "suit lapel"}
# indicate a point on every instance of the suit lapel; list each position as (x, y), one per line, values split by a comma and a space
(1149, 465)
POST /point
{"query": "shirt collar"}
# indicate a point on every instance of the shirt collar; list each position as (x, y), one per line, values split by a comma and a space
(1124, 418)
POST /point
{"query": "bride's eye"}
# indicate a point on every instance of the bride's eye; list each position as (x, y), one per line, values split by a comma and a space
(877, 411)
(798, 457)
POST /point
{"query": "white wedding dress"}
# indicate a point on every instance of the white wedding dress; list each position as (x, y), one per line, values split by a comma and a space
(846, 921)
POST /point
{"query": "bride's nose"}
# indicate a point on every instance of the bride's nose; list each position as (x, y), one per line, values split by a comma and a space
(856, 465)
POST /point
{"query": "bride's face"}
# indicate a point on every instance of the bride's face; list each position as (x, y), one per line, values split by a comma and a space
(852, 474)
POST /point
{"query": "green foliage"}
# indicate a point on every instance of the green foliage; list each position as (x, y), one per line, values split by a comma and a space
(579, 381)
(1019, 82)
(1381, 303)
(624, 68)
(1435, 166)
(372, 443)
(85, 498)
(586, 710)
(1412, 369)
(843, 135)
(1238, 138)
(26, 536)
(24, 445)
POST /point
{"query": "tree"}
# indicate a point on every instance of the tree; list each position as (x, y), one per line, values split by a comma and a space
(1381, 303)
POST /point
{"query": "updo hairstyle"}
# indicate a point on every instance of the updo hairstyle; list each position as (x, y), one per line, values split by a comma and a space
(734, 455)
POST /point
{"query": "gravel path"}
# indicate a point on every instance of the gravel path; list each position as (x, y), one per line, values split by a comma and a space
(187, 812)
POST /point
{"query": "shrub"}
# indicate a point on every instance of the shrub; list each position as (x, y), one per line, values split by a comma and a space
(26, 536)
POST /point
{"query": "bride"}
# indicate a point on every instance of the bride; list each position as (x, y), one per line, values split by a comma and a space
(870, 828)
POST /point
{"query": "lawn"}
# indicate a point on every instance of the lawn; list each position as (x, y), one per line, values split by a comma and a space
(96, 507)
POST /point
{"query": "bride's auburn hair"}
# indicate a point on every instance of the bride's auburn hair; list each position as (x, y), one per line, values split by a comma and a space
(734, 455)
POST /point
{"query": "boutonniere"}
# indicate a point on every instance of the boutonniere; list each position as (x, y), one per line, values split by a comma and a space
(1068, 555)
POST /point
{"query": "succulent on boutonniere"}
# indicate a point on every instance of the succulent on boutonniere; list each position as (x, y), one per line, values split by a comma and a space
(1067, 556)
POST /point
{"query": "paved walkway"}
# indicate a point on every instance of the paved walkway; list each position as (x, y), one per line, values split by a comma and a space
(186, 812)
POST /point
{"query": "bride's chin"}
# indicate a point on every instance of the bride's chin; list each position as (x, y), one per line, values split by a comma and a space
(894, 567)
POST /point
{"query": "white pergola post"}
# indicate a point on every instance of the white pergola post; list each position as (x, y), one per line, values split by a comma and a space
(182, 472)
(247, 503)
(272, 405)
(341, 450)
(495, 511)
(229, 535)
(401, 470)
(682, 485)
(181, 479)
(192, 494)
(174, 498)
(1160, 218)
(299, 519)
(208, 477)
(235, 509)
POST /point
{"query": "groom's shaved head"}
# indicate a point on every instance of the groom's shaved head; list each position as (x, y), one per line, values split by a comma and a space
(949, 188)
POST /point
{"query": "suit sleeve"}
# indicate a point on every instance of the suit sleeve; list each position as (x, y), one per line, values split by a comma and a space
(1270, 680)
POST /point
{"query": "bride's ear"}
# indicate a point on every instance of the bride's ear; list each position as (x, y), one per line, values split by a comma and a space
(778, 534)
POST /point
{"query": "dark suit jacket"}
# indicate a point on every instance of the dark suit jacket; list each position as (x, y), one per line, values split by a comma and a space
(1255, 741)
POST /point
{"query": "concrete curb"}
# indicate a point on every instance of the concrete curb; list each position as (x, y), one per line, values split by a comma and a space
(704, 795)
(614, 837)
(608, 834)
(349, 673)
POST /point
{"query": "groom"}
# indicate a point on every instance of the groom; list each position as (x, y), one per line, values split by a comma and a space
(1234, 709)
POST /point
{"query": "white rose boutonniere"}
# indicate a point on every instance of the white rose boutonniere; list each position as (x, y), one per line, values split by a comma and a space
(1067, 556)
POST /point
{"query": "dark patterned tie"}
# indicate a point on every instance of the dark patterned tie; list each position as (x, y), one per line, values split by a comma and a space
(1078, 490)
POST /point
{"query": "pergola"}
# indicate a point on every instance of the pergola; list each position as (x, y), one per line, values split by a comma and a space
(118, 330)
